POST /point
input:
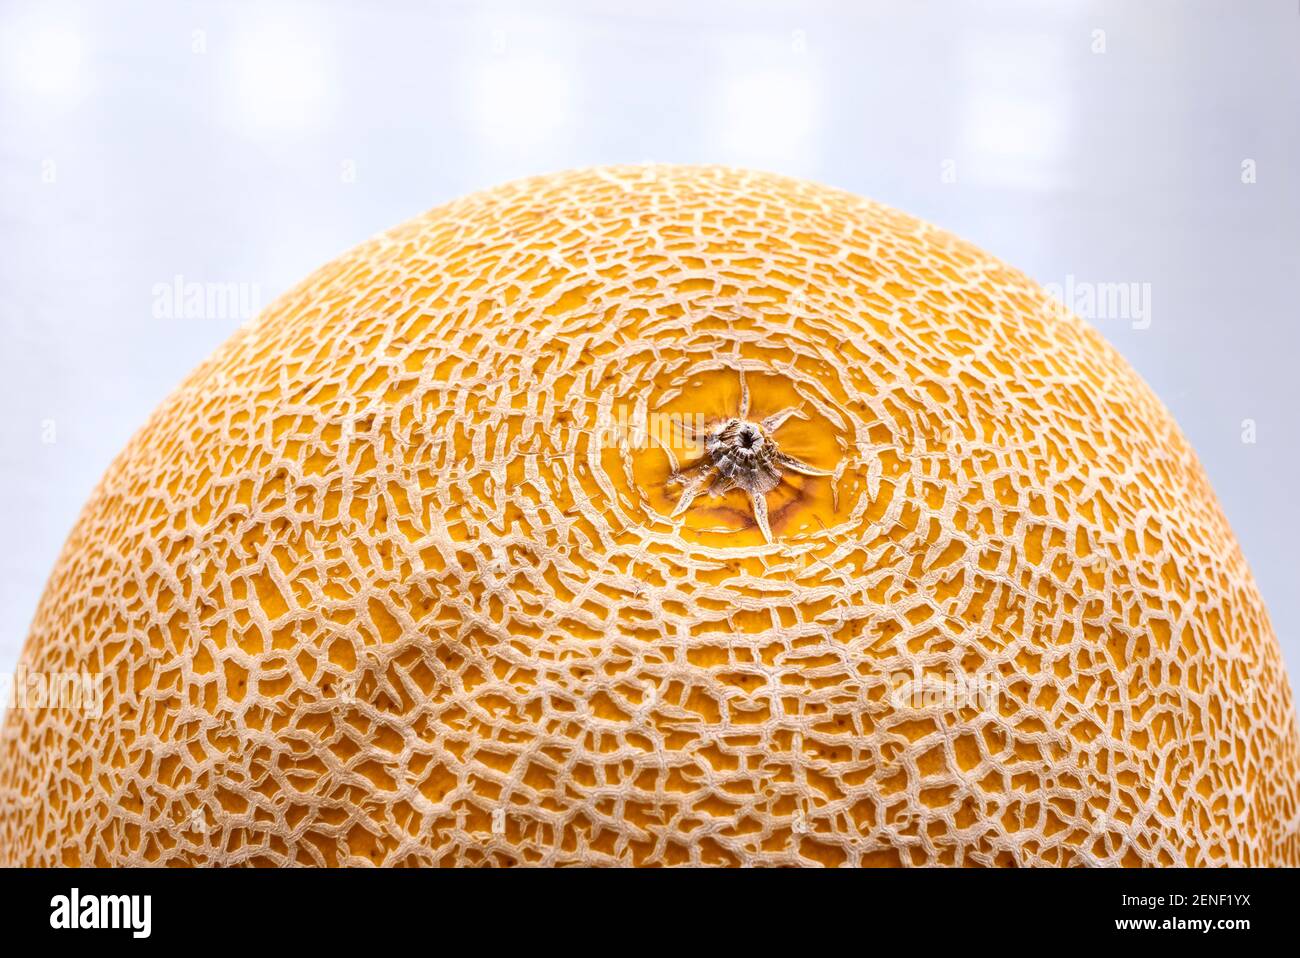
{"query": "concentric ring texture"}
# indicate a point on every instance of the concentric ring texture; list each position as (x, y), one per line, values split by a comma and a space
(395, 576)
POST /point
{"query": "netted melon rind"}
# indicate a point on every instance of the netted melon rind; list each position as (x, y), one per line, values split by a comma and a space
(368, 591)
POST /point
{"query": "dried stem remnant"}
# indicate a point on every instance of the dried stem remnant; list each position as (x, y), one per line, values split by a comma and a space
(740, 454)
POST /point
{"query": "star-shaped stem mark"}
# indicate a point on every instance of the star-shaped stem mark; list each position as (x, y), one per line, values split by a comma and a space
(739, 454)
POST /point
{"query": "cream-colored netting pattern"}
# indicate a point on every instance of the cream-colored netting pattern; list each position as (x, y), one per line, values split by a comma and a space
(370, 588)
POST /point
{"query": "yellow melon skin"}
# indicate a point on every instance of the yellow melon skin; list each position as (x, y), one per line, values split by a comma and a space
(378, 583)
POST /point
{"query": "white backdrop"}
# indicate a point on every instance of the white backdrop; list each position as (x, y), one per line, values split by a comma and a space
(1154, 145)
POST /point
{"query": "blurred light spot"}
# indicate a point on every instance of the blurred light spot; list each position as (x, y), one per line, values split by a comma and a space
(521, 100)
(1016, 111)
(278, 77)
(766, 108)
(47, 58)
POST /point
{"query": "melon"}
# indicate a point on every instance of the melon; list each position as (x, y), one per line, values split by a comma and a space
(657, 515)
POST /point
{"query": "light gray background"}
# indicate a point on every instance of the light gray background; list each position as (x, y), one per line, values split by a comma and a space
(251, 142)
